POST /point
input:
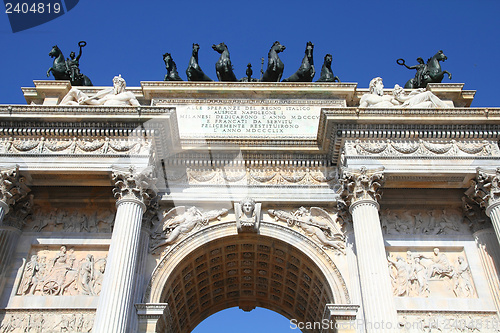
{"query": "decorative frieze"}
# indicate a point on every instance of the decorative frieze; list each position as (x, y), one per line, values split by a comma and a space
(256, 175)
(71, 220)
(406, 221)
(75, 146)
(419, 147)
(49, 272)
(431, 274)
(47, 321)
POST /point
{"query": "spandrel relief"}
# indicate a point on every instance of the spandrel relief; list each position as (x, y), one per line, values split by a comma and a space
(180, 221)
(47, 322)
(71, 220)
(66, 272)
(315, 222)
(430, 273)
(423, 222)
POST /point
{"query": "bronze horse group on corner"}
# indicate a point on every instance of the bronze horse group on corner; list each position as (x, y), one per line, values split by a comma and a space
(273, 73)
(429, 72)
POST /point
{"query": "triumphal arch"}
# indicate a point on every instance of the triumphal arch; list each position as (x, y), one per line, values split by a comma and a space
(345, 209)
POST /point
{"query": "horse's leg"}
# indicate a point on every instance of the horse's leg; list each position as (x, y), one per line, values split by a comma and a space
(409, 84)
(449, 74)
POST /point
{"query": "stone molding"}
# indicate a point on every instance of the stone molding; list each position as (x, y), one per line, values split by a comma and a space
(362, 185)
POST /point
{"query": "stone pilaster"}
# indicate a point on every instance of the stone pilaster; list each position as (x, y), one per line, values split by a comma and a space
(13, 192)
(133, 191)
(485, 190)
(361, 192)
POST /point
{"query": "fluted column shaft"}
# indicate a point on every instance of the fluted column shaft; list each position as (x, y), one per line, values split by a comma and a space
(361, 192)
(493, 211)
(116, 298)
(489, 251)
(116, 301)
(352, 264)
(378, 299)
(12, 190)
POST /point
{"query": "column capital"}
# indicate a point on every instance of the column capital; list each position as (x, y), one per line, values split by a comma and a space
(12, 186)
(134, 185)
(362, 184)
(485, 189)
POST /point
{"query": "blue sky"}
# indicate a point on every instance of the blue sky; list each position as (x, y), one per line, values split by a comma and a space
(364, 37)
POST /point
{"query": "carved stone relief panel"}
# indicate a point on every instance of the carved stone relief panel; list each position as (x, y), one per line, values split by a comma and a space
(55, 271)
(71, 220)
(454, 322)
(444, 221)
(419, 147)
(429, 272)
(47, 321)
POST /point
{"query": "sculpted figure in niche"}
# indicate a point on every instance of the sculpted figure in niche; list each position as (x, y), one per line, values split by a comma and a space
(117, 96)
(247, 215)
(180, 221)
(376, 97)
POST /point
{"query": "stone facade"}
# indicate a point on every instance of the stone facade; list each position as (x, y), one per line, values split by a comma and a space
(197, 197)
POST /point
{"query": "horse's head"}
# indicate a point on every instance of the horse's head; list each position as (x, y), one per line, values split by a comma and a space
(309, 48)
(278, 47)
(221, 47)
(196, 47)
(328, 59)
(55, 52)
(439, 56)
(167, 58)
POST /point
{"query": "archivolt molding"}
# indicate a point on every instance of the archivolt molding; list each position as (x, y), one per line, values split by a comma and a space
(419, 148)
(171, 256)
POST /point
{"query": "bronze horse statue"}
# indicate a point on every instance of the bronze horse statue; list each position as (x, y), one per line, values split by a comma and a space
(429, 73)
(275, 66)
(194, 71)
(223, 66)
(61, 70)
(306, 71)
(172, 74)
(326, 71)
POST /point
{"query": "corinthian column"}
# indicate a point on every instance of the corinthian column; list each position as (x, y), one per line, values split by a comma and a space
(485, 190)
(361, 192)
(13, 192)
(133, 191)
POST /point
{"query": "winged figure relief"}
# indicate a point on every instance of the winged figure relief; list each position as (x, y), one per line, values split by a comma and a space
(180, 221)
(314, 222)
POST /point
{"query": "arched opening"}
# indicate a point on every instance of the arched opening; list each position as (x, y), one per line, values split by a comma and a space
(234, 319)
(245, 271)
